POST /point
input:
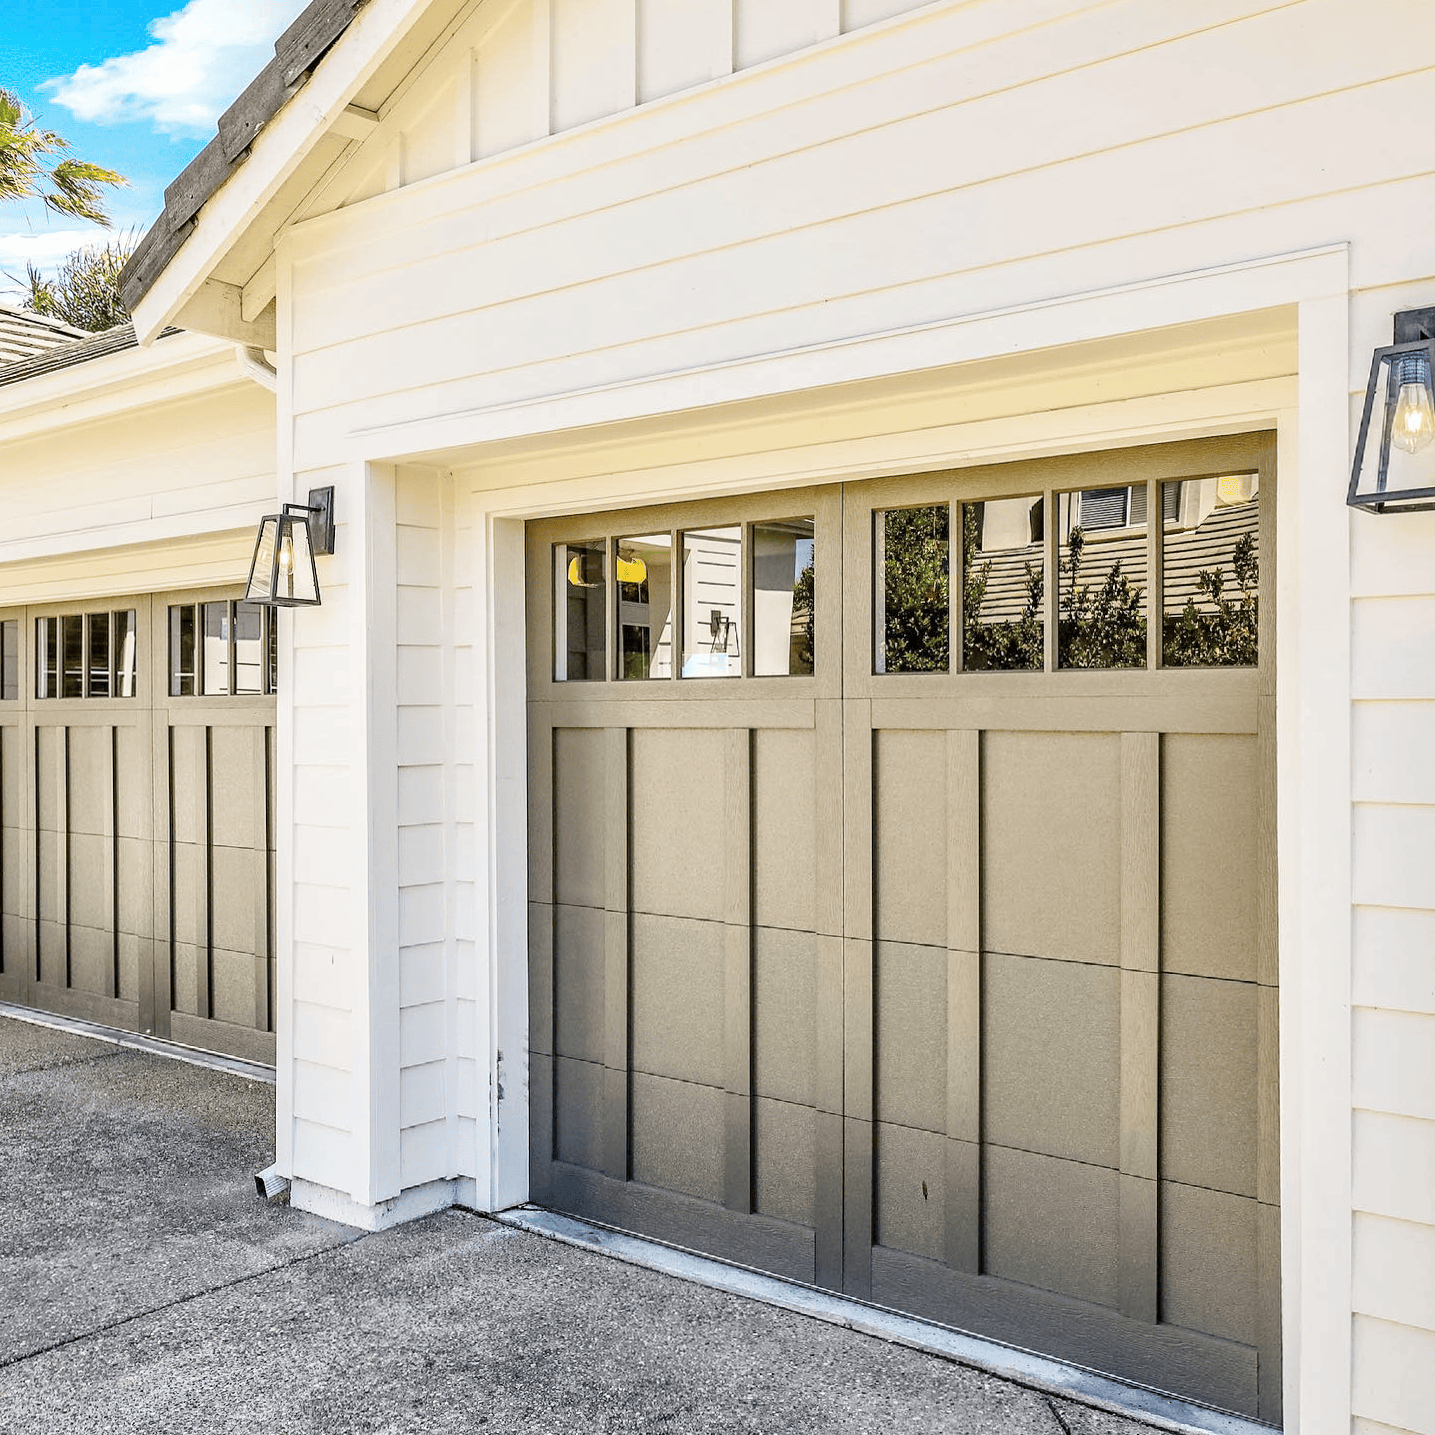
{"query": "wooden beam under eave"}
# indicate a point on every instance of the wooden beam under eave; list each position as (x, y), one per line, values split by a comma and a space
(258, 294)
(217, 308)
(354, 123)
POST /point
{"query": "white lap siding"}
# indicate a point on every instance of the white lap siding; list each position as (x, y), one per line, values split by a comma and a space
(964, 163)
(1393, 1020)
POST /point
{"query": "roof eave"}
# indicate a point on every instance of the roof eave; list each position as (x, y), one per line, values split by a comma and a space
(227, 187)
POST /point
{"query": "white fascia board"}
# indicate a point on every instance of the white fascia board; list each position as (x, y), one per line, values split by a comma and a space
(184, 365)
(278, 150)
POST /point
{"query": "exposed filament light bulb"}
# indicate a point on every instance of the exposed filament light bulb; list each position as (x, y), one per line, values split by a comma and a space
(1413, 423)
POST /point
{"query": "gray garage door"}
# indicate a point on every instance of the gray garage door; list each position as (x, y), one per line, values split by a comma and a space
(902, 897)
(136, 810)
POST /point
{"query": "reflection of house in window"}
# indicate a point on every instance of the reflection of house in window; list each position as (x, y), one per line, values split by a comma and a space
(1203, 520)
(712, 604)
(782, 551)
(644, 572)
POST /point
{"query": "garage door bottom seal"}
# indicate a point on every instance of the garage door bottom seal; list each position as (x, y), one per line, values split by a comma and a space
(1040, 1372)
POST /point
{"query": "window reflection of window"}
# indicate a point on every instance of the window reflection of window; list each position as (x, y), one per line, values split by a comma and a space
(1003, 580)
(1210, 600)
(712, 603)
(643, 570)
(221, 649)
(10, 660)
(784, 595)
(580, 638)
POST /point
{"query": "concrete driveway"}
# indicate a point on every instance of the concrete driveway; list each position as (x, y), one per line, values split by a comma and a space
(146, 1288)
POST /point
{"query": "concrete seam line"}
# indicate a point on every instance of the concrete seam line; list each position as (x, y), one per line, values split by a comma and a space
(113, 1325)
(1043, 1373)
(136, 1041)
(1057, 1415)
(64, 1064)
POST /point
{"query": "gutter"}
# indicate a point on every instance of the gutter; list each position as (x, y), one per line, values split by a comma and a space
(254, 365)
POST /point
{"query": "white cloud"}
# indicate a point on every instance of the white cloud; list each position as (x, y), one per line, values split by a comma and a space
(203, 56)
(45, 249)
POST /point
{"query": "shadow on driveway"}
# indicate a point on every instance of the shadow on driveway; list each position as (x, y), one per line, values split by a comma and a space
(147, 1288)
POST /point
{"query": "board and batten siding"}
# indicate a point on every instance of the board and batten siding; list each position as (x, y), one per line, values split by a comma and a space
(498, 246)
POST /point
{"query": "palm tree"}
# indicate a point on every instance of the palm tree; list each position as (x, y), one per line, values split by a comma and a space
(32, 166)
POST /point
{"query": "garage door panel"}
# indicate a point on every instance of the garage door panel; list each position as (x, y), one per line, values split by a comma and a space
(785, 1160)
(50, 785)
(579, 789)
(1051, 828)
(678, 1136)
(932, 969)
(1209, 1064)
(909, 1196)
(238, 787)
(677, 808)
(1209, 1265)
(92, 960)
(784, 838)
(189, 876)
(784, 1017)
(134, 781)
(14, 850)
(237, 895)
(91, 884)
(1051, 1041)
(189, 785)
(909, 810)
(1210, 867)
(911, 1035)
(190, 968)
(579, 982)
(1053, 1224)
(133, 950)
(133, 859)
(91, 779)
(53, 954)
(677, 998)
(233, 987)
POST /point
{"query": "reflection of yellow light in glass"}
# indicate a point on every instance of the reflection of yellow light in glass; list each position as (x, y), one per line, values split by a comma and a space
(632, 570)
(1234, 488)
(1413, 424)
(575, 574)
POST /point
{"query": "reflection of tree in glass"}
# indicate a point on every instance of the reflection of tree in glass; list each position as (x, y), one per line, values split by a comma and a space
(804, 619)
(997, 646)
(1225, 634)
(915, 541)
(1099, 627)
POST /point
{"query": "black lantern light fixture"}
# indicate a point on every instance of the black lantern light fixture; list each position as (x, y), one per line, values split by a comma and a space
(283, 573)
(1394, 470)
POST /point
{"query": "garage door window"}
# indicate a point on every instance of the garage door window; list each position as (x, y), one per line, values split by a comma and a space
(10, 660)
(221, 649)
(1003, 582)
(913, 558)
(86, 655)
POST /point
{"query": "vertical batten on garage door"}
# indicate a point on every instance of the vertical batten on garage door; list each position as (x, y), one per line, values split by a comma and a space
(962, 1196)
(1140, 1021)
(617, 930)
(737, 976)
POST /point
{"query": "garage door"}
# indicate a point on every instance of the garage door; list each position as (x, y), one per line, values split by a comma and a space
(136, 808)
(902, 897)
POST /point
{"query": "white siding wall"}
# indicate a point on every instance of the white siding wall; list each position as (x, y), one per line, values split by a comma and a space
(967, 160)
(141, 483)
(1393, 986)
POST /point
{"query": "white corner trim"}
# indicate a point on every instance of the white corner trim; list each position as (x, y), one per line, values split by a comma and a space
(408, 1205)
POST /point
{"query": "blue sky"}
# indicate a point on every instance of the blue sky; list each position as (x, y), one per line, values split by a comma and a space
(135, 85)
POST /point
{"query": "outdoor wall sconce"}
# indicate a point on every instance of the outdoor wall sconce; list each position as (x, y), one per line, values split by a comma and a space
(1394, 468)
(283, 573)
